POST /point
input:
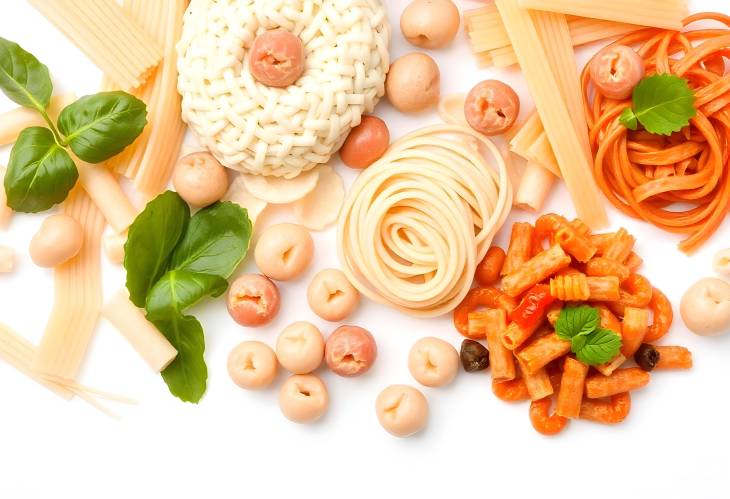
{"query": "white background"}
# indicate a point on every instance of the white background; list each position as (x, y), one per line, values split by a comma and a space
(235, 443)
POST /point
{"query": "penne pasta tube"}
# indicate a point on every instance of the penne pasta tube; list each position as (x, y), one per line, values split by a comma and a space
(101, 186)
(144, 337)
(535, 270)
(500, 359)
(513, 390)
(576, 245)
(534, 187)
(622, 380)
(601, 267)
(572, 383)
(520, 247)
(633, 329)
(671, 357)
(602, 242)
(542, 351)
(538, 384)
(620, 246)
(606, 288)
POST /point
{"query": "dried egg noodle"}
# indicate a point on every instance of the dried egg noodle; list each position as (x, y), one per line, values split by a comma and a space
(417, 222)
(263, 130)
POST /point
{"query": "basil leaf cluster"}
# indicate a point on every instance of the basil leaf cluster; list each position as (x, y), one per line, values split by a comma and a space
(173, 261)
(97, 127)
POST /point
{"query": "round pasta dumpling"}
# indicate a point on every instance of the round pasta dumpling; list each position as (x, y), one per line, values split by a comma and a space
(267, 130)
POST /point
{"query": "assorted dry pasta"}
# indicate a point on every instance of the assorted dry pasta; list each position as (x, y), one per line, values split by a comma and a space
(211, 111)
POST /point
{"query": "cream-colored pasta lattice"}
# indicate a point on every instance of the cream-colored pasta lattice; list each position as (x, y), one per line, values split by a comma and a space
(272, 131)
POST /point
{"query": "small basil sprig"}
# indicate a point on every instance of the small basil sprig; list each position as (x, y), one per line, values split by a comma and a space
(591, 344)
(96, 127)
(173, 261)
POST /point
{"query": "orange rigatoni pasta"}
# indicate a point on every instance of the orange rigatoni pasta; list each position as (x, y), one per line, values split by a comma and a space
(543, 350)
(622, 380)
(620, 246)
(602, 267)
(572, 383)
(538, 384)
(535, 270)
(500, 359)
(578, 246)
(604, 288)
(633, 330)
(546, 325)
(671, 357)
(520, 247)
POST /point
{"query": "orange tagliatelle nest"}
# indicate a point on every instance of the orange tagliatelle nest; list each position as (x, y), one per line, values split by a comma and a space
(679, 183)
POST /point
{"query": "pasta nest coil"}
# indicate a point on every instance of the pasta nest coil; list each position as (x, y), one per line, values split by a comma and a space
(282, 132)
(417, 222)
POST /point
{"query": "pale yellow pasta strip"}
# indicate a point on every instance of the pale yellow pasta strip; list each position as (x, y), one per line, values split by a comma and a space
(107, 35)
(667, 14)
(568, 144)
(167, 129)
(77, 297)
(107, 194)
(491, 45)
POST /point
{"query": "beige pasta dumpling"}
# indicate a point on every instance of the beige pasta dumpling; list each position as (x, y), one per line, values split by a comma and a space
(269, 129)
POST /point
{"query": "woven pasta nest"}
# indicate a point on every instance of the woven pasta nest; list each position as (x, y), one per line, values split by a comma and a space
(262, 130)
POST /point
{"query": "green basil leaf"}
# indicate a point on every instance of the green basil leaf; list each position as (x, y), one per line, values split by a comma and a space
(574, 321)
(186, 376)
(100, 126)
(40, 173)
(663, 104)
(216, 241)
(599, 347)
(23, 78)
(179, 290)
(151, 241)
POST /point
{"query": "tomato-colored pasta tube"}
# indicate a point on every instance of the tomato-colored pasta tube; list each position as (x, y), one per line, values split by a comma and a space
(501, 360)
(571, 388)
(663, 315)
(671, 357)
(622, 380)
(601, 267)
(606, 288)
(620, 247)
(490, 268)
(633, 329)
(634, 262)
(479, 298)
(538, 384)
(579, 247)
(520, 247)
(535, 270)
(609, 367)
(541, 351)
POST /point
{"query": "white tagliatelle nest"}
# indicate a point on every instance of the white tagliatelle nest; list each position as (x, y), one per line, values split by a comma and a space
(262, 130)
